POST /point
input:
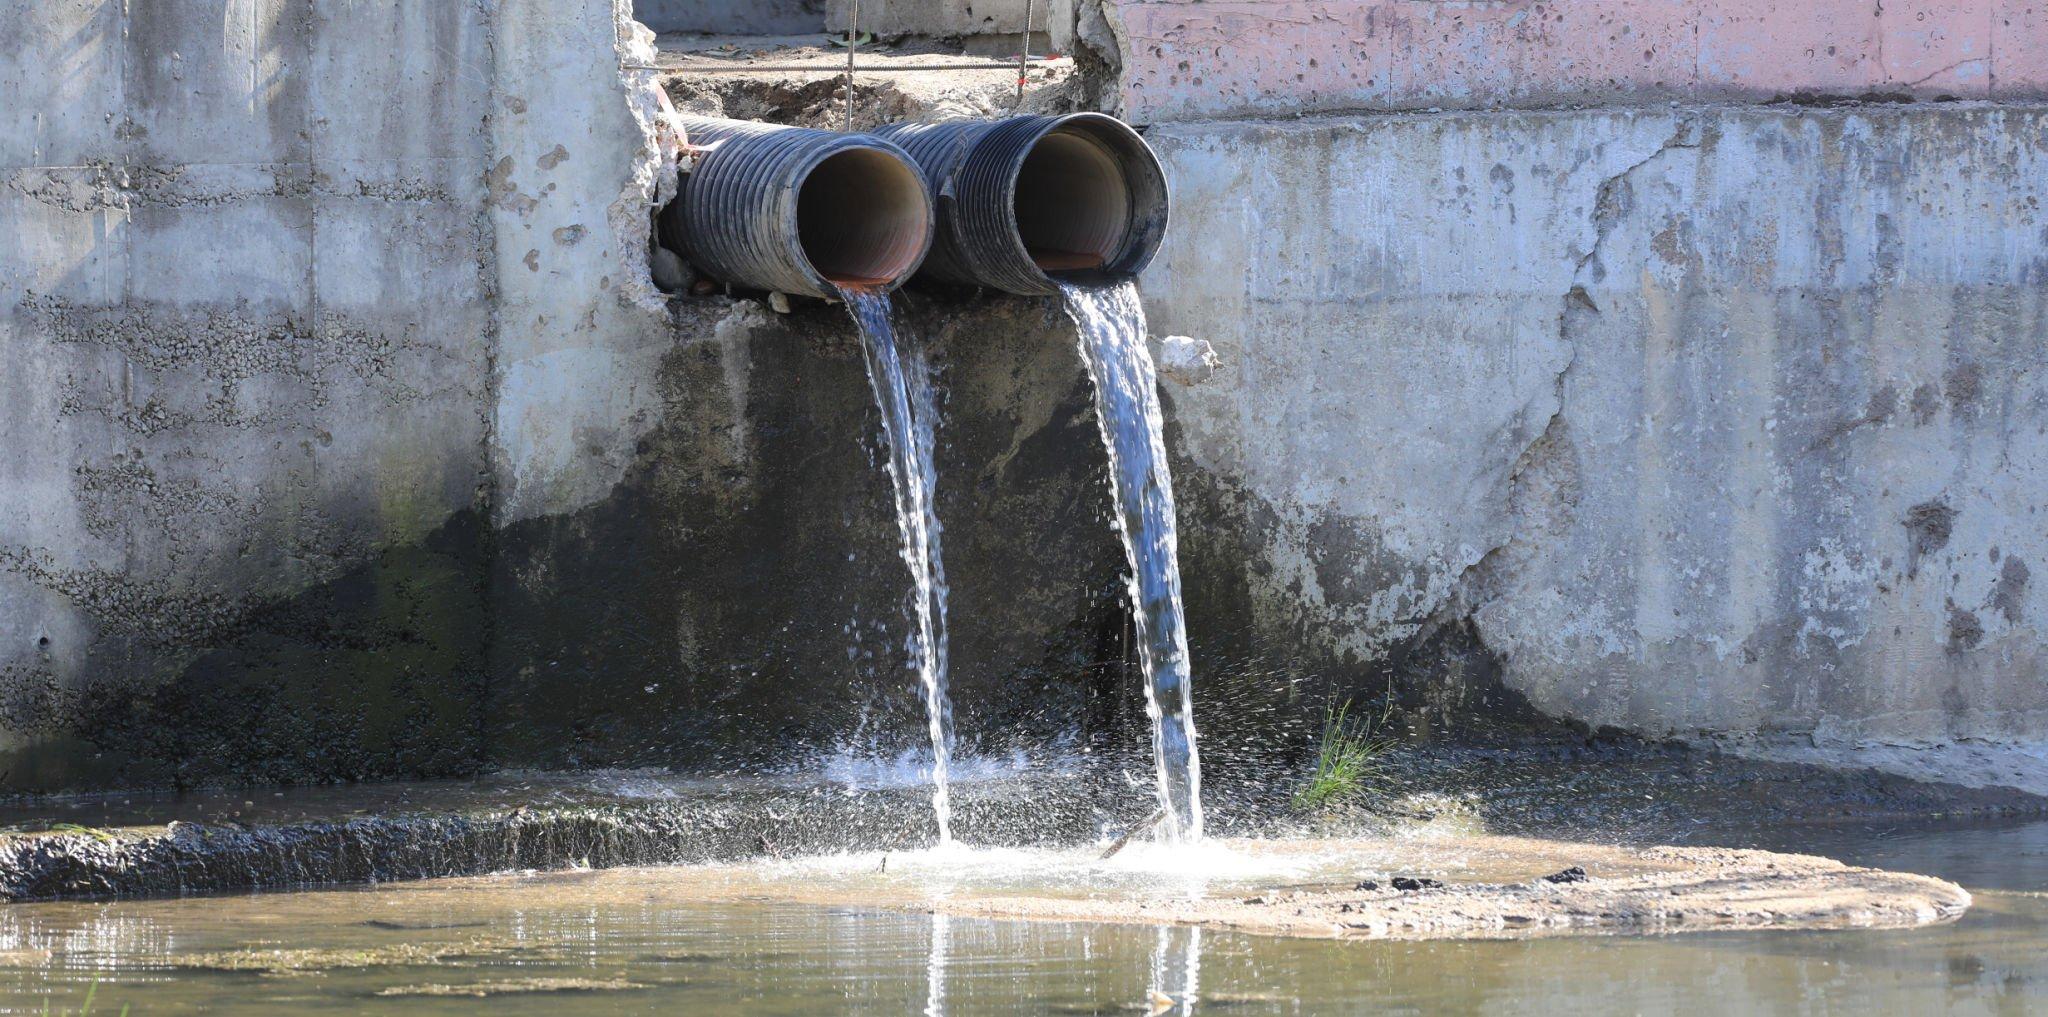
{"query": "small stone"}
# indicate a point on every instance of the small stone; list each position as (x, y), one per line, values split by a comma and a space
(670, 272)
(704, 288)
(1575, 874)
(1367, 884)
(1416, 883)
(778, 302)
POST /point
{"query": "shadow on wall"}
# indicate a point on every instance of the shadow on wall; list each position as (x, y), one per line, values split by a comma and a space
(742, 591)
(378, 673)
(739, 594)
(1262, 679)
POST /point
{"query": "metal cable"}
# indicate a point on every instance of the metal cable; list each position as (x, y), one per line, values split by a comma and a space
(1024, 57)
(852, 47)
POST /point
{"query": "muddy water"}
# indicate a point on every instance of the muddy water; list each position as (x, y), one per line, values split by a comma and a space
(671, 941)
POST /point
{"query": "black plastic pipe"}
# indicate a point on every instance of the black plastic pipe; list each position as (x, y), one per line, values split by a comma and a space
(1030, 200)
(798, 210)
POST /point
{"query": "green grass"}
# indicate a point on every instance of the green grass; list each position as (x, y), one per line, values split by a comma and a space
(1351, 759)
(85, 1009)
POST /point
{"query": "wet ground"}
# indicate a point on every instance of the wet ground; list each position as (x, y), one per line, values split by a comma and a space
(656, 941)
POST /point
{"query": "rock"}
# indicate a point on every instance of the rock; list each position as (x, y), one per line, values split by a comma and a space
(778, 302)
(1187, 361)
(704, 288)
(1575, 874)
(670, 271)
(1416, 883)
(1367, 884)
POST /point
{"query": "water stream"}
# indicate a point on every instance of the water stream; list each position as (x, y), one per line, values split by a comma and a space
(902, 380)
(1111, 323)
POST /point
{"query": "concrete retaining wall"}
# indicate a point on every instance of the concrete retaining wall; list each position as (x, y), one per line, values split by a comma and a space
(346, 437)
(732, 17)
(1714, 422)
(1182, 60)
(246, 317)
(941, 17)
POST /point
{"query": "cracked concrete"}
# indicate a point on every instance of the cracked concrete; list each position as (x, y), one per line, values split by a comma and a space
(1180, 61)
(1670, 501)
(348, 430)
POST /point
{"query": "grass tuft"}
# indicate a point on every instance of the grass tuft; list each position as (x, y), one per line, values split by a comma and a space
(1351, 759)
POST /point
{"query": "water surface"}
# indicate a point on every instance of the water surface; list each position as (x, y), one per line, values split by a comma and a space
(664, 941)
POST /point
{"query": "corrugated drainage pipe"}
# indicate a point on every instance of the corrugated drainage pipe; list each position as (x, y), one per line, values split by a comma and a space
(797, 210)
(1028, 200)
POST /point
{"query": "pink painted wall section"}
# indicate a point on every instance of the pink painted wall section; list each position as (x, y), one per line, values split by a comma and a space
(1195, 58)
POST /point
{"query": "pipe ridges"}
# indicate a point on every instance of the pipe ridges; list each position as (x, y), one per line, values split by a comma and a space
(1026, 202)
(795, 210)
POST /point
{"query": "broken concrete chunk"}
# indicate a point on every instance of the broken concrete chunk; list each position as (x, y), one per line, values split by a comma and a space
(1188, 361)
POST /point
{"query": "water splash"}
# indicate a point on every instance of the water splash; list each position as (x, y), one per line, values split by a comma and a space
(1111, 323)
(902, 380)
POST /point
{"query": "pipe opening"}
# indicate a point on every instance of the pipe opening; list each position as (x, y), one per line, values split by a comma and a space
(1073, 203)
(863, 218)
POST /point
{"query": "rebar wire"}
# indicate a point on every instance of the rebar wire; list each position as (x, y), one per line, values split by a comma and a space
(852, 47)
(1024, 57)
(828, 68)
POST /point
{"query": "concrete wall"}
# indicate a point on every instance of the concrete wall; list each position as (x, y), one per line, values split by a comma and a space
(242, 310)
(941, 17)
(345, 435)
(732, 17)
(1716, 421)
(804, 17)
(1181, 59)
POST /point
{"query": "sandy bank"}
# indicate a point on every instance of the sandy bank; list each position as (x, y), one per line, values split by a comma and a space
(1463, 887)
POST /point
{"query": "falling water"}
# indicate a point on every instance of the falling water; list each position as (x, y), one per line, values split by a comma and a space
(902, 381)
(1111, 323)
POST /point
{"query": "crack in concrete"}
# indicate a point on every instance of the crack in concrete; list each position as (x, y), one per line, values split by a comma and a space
(1939, 71)
(1470, 588)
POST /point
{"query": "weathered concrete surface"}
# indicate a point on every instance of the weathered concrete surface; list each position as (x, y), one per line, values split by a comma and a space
(348, 438)
(741, 587)
(242, 313)
(522, 826)
(1181, 60)
(732, 17)
(1715, 423)
(939, 17)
